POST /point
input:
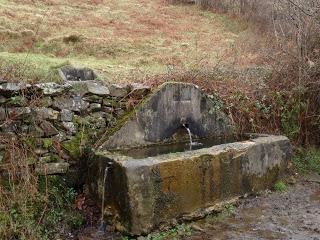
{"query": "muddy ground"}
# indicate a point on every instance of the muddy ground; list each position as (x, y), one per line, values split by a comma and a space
(293, 214)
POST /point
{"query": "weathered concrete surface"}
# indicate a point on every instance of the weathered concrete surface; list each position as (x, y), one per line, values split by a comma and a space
(146, 193)
(162, 114)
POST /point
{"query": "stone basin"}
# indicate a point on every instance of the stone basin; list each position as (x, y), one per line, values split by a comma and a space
(144, 193)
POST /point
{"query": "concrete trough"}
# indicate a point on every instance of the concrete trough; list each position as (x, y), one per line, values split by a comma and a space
(142, 194)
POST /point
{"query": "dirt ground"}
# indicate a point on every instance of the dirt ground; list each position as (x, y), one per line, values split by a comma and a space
(293, 214)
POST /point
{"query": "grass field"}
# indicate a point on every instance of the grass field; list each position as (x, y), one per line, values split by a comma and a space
(118, 38)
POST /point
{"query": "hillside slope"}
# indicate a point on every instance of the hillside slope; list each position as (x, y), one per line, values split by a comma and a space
(117, 37)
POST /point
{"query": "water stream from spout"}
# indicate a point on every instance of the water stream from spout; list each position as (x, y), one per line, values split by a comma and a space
(190, 135)
(102, 223)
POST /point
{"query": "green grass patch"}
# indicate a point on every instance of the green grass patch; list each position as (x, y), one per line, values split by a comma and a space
(280, 186)
(30, 67)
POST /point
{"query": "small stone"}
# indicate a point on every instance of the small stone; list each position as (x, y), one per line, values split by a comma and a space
(197, 228)
(93, 99)
(110, 102)
(119, 91)
(69, 126)
(3, 115)
(45, 159)
(13, 87)
(51, 88)
(120, 112)
(66, 115)
(108, 109)
(3, 99)
(19, 112)
(48, 129)
(46, 113)
(41, 151)
(94, 107)
(36, 131)
(75, 103)
(139, 90)
(97, 88)
(142, 238)
(44, 102)
(60, 137)
(52, 168)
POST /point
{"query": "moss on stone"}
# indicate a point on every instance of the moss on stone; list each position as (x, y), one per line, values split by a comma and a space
(74, 145)
(47, 143)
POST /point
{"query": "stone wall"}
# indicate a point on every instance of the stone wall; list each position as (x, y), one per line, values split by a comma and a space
(57, 121)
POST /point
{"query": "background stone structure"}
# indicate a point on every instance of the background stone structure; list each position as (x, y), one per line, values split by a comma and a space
(58, 121)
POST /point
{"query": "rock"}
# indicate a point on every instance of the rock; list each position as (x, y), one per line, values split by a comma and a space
(45, 101)
(52, 168)
(11, 88)
(71, 73)
(16, 101)
(60, 137)
(96, 120)
(36, 131)
(93, 99)
(3, 99)
(52, 89)
(72, 103)
(66, 115)
(41, 151)
(3, 114)
(197, 228)
(142, 238)
(94, 107)
(108, 109)
(46, 113)
(48, 129)
(97, 88)
(19, 113)
(119, 91)
(110, 102)
(69, 126)
(139, 90)
(45, 159)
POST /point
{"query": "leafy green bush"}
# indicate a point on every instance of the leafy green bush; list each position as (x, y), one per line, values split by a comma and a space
(307, 160)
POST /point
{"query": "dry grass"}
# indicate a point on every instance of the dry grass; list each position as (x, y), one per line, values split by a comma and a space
(115, 37)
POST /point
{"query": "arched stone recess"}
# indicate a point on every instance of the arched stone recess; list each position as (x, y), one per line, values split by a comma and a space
(165, 111)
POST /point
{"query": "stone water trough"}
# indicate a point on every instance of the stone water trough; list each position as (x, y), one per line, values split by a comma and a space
(149, 177)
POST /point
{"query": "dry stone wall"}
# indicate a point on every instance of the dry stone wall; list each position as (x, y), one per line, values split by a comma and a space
(59, 120)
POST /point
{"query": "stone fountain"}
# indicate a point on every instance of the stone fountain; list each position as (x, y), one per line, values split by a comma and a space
(155, 178)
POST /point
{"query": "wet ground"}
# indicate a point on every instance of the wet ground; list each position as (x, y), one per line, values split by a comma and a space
(293, 214)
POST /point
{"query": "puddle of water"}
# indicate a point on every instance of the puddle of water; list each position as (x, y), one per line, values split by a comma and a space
(315, 196)
(151, 151)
